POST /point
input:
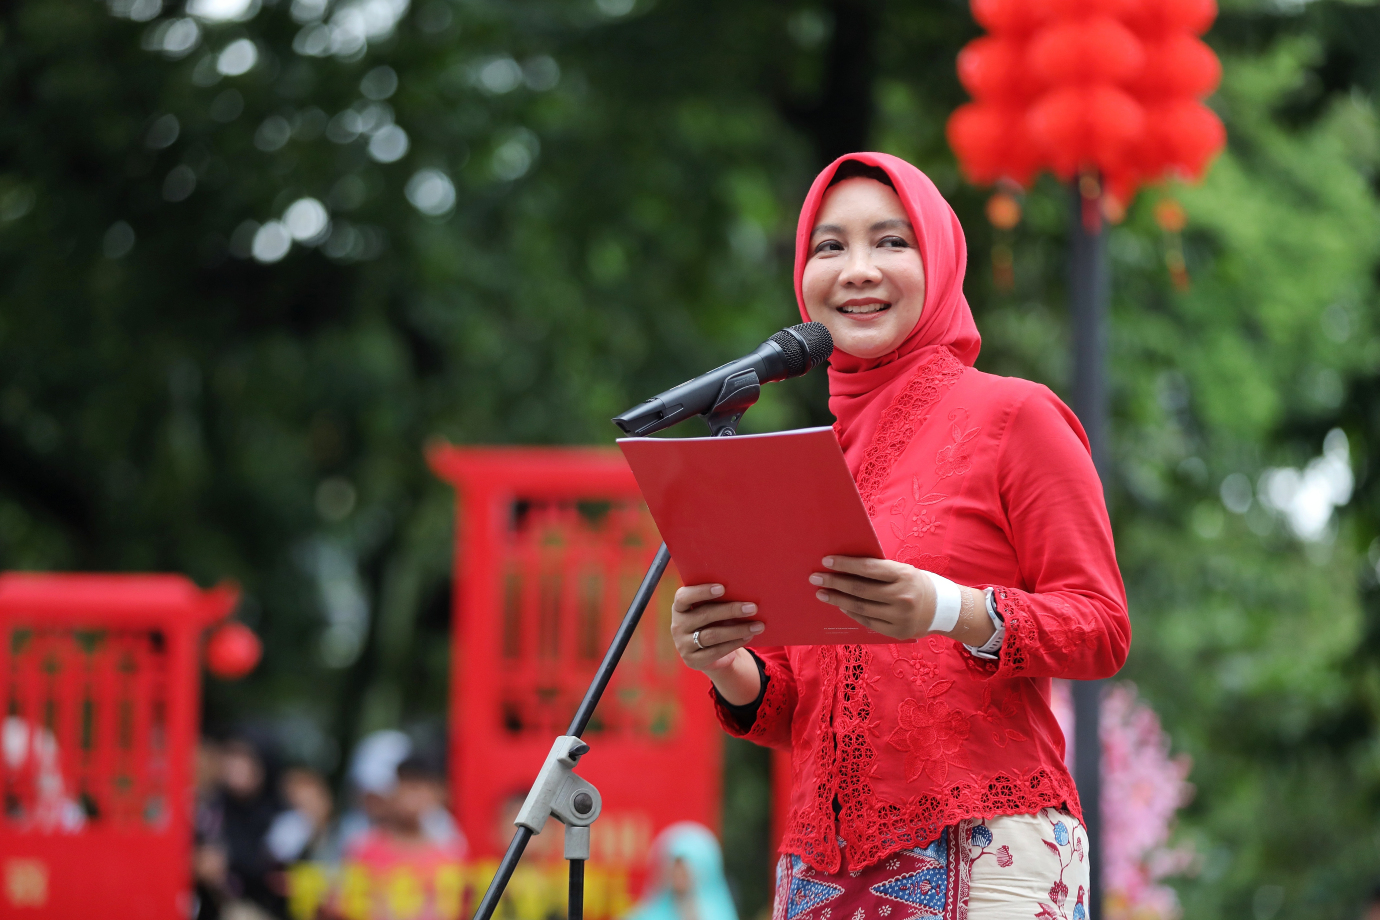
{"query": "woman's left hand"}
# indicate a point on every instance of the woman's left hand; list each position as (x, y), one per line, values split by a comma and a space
(891, 598)
(895, 599)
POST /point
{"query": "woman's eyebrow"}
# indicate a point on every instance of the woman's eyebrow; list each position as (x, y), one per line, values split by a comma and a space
(879, 225)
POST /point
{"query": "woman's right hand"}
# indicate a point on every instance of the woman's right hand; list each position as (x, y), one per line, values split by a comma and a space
(719, 652)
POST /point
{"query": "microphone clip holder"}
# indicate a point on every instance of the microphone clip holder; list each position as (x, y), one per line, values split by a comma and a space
(563, 794)
(738, 394)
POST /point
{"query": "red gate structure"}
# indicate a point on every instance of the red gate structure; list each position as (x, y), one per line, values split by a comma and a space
(551, 544)
(99, 695)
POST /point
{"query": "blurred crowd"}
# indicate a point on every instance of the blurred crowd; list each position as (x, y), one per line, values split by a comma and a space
(257, 817)
(259, 821)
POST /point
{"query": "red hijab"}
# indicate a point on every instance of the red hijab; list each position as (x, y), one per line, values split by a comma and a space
(860, 389)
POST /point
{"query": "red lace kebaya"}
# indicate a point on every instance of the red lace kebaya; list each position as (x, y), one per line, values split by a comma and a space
(987, 481)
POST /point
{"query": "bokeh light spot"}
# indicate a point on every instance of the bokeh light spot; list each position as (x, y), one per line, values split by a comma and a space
(308, 10)
(389, 145)
(379, 83)
(431, 192)
(137, 10)
(175, 38)
(238, 58)
(615, 8)
(499, 75)
(344, 127)
(163, 132)
(307, 220)
(272, 134)
(118, 240)
(179, 183)
(271, 242)
(223, 10)
(513, 158)
(541, 73)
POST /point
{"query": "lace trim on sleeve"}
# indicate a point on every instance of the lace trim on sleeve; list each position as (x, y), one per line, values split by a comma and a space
(1014, 609)
(771, 706)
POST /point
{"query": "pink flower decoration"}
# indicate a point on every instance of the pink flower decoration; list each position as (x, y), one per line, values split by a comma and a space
(1142, 788)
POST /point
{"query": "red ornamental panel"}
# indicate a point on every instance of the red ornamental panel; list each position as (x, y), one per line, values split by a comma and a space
(1069, 85)
(99, 693)
(551, 545)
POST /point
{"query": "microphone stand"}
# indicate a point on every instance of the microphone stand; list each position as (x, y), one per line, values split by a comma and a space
(558, 791)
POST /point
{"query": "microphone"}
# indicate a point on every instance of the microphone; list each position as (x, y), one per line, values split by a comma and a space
(734, 386)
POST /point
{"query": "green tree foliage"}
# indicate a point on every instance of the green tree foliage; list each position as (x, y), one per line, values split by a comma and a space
(541, 212)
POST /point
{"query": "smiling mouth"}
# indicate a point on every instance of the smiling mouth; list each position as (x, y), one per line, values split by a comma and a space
(863, 309)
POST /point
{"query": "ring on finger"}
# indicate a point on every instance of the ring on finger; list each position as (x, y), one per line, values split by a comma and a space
(696, 639)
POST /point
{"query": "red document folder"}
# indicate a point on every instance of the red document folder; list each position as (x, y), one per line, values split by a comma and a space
(757, 513)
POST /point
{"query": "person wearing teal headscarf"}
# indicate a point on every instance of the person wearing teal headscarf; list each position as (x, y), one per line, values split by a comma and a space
(687, 878)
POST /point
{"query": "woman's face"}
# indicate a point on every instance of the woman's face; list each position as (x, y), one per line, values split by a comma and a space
(678, 878)
(863, 275)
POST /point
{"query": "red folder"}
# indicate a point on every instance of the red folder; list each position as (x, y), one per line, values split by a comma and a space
(757, 514)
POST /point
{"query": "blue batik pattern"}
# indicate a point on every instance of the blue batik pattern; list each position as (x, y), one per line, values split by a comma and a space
(805, 894)
(925, 885)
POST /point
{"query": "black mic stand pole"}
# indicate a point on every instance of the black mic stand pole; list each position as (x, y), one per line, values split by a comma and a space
(558, 791)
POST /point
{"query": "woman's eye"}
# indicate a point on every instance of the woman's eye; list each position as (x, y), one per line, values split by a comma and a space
(894, 242)
(829, 246)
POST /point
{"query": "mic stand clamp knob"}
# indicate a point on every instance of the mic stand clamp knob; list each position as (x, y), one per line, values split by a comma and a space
(559, 791)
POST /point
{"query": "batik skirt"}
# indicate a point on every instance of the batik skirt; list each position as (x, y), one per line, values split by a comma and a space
(1008, 867)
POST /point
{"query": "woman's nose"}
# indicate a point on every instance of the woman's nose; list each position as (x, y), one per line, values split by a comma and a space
(859, 268)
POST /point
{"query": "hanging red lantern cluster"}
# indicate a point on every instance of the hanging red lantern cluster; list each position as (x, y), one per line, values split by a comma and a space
(1114, 86)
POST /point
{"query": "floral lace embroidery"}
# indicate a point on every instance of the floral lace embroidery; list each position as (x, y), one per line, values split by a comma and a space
(811, 833)
(771, 712)
(857, 757)
(955, 459)
(998, 709)
(930, 732)
(901, 420)
(1015, 611)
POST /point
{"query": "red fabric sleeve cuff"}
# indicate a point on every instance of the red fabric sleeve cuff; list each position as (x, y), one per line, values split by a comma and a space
(772, 715)
(1014, 611)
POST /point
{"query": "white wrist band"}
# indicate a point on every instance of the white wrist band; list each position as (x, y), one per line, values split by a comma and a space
(948, 602)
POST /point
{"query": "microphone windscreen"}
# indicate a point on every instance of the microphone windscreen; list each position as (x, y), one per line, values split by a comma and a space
(793, 347)
(805, 346)
(819, 344)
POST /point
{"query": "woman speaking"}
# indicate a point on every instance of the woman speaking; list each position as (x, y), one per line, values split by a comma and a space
(927, 776)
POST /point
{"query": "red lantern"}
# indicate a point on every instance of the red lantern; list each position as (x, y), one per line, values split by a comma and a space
(233, 651)
(1112, 86)
(1179, 65)
(976, 131)
(992, 143)
(993, 68)
(1164, 17)
(1095, 50)
(1192, 133)
(1082, 9)
(1079, 127)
